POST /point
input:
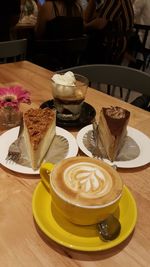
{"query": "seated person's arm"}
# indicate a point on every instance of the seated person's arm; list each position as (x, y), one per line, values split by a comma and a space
(137, 7)
(89, 11)
(91, 19)
(97, 24)
(44, 14)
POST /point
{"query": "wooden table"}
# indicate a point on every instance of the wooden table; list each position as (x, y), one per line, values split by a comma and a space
(20, 242)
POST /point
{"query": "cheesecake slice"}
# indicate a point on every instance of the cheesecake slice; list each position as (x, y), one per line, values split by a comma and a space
(112, 129)
(39, 131)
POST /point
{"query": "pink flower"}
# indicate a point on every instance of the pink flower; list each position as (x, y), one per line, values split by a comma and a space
(11, 97)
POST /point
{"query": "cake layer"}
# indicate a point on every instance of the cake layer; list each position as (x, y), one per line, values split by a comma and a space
(113, 129)
(39, 131)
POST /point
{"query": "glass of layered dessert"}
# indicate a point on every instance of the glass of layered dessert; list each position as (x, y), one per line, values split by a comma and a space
(69, 91)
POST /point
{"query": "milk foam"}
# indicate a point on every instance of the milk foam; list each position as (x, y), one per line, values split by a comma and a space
(88, 179)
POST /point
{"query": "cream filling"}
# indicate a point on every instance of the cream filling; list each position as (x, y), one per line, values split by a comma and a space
(36, 156)
(106, 138)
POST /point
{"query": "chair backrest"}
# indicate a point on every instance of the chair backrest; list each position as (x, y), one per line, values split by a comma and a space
(65, 52)
(116, 75)
(13, 50)
(145, 30)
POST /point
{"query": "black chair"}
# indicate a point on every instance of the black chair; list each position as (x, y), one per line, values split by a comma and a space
(13, 50)
(60, 53)
(142, 30)
(137, 46)
(142, 101)
(116, 75)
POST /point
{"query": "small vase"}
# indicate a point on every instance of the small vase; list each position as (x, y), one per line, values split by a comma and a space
(9, 118)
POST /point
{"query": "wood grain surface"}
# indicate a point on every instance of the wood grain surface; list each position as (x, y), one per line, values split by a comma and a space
(22, 244)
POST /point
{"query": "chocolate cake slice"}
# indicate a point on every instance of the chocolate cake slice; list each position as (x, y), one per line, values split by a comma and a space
(113, 129)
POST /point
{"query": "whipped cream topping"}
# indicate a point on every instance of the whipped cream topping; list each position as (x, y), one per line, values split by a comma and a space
(116, 112)
(88, 179)
(67, 79)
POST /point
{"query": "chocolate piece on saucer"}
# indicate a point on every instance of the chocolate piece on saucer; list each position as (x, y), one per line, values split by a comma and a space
(87, 115)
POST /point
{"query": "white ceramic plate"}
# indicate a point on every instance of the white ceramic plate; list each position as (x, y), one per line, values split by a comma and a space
(10, 136)
(141, 139)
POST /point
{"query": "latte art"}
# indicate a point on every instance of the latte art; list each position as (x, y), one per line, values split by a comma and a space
(88, 179)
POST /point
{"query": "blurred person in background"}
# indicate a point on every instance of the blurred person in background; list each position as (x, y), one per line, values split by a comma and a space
(9, 16)
(135, 47)
(52, 9)
(40, 2)
(84, 4)
(29, 12)
(107, 23)
(142, 16)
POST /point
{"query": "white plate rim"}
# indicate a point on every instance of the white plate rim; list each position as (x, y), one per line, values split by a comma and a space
(9, 136)
(140, 138)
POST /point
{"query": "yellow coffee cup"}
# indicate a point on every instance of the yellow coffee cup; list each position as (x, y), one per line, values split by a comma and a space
(83, 190)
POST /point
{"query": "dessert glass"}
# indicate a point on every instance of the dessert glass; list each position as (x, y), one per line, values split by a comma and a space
(68, 99)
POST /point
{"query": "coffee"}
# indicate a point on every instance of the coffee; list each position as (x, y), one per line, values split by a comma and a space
(86, 182)
(83, 190)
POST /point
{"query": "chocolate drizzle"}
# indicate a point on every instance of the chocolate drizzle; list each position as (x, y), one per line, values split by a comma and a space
(116, 118)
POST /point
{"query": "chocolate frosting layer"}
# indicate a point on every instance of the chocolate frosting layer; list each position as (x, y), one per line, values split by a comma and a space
(116, 118)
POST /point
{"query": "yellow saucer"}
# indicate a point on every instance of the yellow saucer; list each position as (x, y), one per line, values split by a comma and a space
(84, 238)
